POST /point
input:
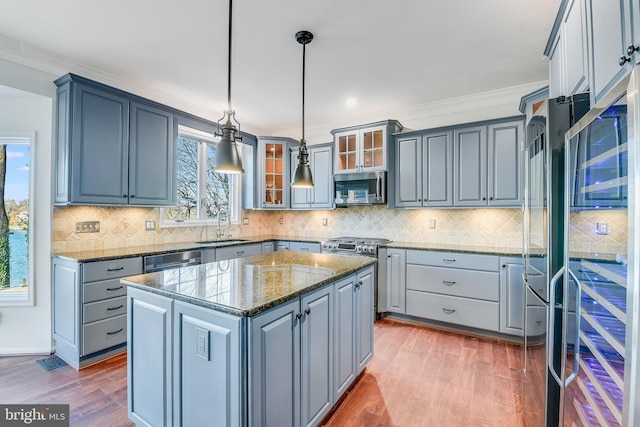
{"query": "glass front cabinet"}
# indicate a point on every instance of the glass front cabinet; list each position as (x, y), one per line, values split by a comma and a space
(363, 148)
(274, 171)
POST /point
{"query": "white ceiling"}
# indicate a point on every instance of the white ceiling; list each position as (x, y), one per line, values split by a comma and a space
(395, 57)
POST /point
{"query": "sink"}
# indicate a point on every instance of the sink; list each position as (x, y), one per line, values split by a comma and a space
(225, 241)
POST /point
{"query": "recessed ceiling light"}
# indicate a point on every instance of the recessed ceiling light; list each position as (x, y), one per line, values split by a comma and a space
(351, 102)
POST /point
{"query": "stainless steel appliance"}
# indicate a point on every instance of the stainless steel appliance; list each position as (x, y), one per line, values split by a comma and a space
(362, 188)
(582, 183)
(363, 246)
(153, 263)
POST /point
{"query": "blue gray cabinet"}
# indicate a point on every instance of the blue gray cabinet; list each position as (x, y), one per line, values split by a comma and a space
(89, 308)
(488, 164)
(321, 163)
(291, 362)
(112, 148)
(311, 247)
(364, 316)
(207, 367)
(237, 251)
(149, 382)
(424, 170)
(395, 280)
(345, 334)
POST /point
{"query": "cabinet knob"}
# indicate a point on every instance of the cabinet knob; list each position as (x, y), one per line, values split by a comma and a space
(307, 311)
(631, 49)
(133, 196)
(124, 196)
(299, 316)
(419, 200)
(358, 284)
(490, 198)
(623, 60)
(484, 198)
(504, 265)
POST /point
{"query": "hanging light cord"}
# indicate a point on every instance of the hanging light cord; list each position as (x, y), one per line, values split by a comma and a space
(304, 48)
(229, 59)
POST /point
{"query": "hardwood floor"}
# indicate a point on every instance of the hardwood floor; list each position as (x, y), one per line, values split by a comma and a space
(419, 377)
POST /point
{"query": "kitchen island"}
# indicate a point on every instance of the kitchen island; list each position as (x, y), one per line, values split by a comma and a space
(272, 339)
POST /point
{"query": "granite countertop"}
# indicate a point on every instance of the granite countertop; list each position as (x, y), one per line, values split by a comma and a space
(135, 251)
(444, 247)
(248, 286)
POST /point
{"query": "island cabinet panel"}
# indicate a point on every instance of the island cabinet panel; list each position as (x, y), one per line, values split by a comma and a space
(206, 367)
(149, 340)
(364, 317)
(274, 384)
(345, 345)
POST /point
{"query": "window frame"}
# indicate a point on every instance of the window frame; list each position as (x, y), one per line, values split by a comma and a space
(193, 131)
(10, 299)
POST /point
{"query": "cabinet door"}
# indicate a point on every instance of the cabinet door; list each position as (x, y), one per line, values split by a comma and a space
(408, 172)
(321, 161)
(275, 178)
(557, 85)
(149, 331)
(274, 367)
(574, 33)
(207, 367)
(364, 318)
(99, 149)
(316, 337)
(437, 169)
(66, 309)
(373, 155)
(609, 30)
(344, 361)
(511, 296)
(505, 164)
(300, 197)
(396, 280)
(346, 146)
(470, 166)
(152, 142)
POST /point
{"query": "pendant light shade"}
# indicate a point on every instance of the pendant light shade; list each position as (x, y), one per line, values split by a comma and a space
(227, 158)
(302, 178)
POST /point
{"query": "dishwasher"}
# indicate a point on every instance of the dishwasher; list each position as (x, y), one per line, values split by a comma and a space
(171, 260)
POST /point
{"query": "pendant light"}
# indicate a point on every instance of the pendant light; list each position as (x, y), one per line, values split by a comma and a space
(302, 177)
(227, 158)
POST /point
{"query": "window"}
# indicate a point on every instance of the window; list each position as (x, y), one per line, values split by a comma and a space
(202, 193)
(16, 280)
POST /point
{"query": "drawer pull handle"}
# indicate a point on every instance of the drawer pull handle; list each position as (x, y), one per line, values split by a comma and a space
(446, 283)
(448, 261)
(115, 289)
(111, 270)
(239, 253)
(115, 332)
(448, 310)
(115, 308)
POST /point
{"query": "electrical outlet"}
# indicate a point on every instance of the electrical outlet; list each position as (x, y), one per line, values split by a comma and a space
(245, 221)
(325, 222)
(149, 225)
(281, 220)
(202, 343)
(88, 227)
(602, 228)
(432, 223)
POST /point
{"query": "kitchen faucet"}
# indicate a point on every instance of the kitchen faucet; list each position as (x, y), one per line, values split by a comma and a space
(227, 218)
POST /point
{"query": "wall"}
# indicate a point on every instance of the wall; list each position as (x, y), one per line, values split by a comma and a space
(28, 329)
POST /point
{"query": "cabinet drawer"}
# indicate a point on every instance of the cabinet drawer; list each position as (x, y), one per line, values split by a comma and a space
(304, 247)
(102, 290)
(103, 270)
(454, 259)
(240, 251)
(483, 285)
(103, 334)
(104, 309)
(460, 311)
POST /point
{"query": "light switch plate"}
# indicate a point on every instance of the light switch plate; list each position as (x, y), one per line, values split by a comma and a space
(602, 228)
(245, 221)
(149, 225)
(432, 223)
(325, 222)
(88, 227)
(202, 343)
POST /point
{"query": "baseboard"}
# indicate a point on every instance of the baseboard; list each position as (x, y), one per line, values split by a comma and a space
(25, 351)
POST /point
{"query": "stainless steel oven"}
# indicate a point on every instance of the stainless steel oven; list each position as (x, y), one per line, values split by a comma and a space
(357, 246)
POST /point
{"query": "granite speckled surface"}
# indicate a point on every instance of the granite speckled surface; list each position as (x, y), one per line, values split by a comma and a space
(135, 251)
(248, 286)
(468, 249)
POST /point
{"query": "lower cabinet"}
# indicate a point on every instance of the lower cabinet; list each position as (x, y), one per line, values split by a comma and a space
(291, 362)
(239, 251)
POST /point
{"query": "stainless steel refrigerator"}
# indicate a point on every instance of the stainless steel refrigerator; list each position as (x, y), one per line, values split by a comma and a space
(581, 224)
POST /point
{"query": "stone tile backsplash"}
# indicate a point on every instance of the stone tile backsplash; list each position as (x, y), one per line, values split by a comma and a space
(125, 226)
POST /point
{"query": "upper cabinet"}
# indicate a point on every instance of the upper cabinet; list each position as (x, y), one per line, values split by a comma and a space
(469, 165)
(364, 148)
(321, 163)
(112, 148)
(273, 171)
(593, 45)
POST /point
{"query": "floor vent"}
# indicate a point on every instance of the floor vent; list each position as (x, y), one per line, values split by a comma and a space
(51, 362)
